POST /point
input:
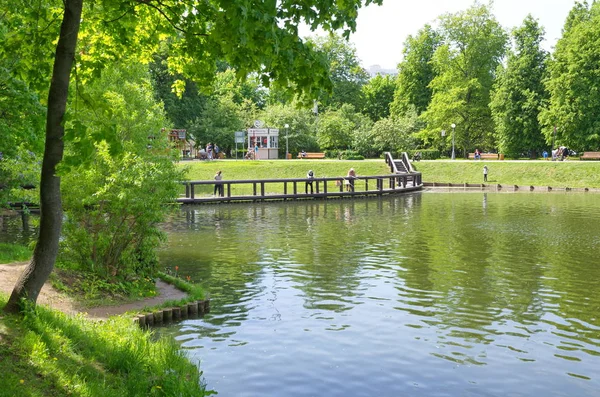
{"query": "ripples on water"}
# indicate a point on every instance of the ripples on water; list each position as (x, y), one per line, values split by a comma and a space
(429, 294)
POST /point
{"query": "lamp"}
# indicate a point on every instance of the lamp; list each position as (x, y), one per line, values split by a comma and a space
(453, 127)
(286, 141)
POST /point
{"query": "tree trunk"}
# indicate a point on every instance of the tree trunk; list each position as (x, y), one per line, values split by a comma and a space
(37, 272)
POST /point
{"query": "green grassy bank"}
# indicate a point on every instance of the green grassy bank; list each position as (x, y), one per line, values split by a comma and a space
(273, 169)
(48, 353)
(14, 253)
(576, 174)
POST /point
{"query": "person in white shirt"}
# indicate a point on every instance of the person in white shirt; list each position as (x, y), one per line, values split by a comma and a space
(218, 184)
(309, 182)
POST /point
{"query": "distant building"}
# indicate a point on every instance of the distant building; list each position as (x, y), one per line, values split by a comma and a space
(374, 70)
(180, 141)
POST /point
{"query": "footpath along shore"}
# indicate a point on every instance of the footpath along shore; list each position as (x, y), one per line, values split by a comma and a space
(49, 296)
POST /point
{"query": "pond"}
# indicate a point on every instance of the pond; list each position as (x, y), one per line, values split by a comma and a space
(18, 229)
(429, 294)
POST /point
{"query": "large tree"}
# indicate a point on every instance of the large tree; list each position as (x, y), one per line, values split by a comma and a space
(574, 82)
(339, 129)
(378, 94)
(182, 108)
(519, 93)
(416, 71)
(474, 44)
(249, 35)
(347, 75)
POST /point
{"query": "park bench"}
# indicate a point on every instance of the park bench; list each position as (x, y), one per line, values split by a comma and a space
(485, 156)
(311, 156)
(590, 156)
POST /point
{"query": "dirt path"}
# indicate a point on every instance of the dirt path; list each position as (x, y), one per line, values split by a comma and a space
(58, 301)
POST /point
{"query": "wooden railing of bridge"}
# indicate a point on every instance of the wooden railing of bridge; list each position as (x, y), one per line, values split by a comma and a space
(297, 188)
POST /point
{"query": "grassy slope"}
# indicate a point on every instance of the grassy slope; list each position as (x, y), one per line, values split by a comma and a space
(51, 354)
(524, 173)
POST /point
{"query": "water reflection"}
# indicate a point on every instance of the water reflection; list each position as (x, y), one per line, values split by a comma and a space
(424, 293)
(18, 228)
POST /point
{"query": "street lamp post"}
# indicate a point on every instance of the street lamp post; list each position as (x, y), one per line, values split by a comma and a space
(286, 142)
(453, 127)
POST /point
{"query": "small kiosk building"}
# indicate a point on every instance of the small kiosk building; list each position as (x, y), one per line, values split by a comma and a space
(266, 140)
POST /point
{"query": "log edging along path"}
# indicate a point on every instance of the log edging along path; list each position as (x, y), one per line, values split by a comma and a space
(294, 188)
(170, 315)
(507, 188)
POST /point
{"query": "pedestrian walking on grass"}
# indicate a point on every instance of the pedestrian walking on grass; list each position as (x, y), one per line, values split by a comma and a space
(485, 173)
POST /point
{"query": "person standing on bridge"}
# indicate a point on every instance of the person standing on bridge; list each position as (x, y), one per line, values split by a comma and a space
(350, 180)
(309, 182)
(218, 184)
(485, 173)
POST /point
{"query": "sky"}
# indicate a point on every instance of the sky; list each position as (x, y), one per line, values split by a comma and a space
(382, 30)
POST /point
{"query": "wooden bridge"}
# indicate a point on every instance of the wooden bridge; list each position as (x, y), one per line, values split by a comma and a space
(402, 179)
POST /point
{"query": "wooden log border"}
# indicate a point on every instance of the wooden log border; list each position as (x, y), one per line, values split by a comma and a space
(169, 315)
(498, 187)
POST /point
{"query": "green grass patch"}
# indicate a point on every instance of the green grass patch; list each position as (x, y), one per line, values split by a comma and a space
(274, 169)
(575, 174)
(46, 353)
(537, 173)
(14, 253)
(194, 293)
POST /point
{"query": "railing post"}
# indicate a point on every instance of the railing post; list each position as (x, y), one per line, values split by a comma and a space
(262, 189)
(192, 191)
(295, 188)
(366, 185)
(285, 189)
(229, 190)
(187, 190)
(325, 188)
(254, 188)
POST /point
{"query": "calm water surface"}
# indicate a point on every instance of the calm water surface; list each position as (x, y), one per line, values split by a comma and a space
(432, 294)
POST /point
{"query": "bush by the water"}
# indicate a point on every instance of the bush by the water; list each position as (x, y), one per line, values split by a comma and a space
(113, 211)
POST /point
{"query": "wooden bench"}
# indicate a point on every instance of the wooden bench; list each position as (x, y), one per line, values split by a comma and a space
(311, 156)
(485, 156)
(590, 156)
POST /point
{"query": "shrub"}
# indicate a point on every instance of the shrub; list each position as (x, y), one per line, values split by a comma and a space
(426, 154)
(345, 155)
(112, 214)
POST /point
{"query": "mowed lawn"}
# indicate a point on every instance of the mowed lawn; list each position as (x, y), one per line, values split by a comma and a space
(570, 173)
